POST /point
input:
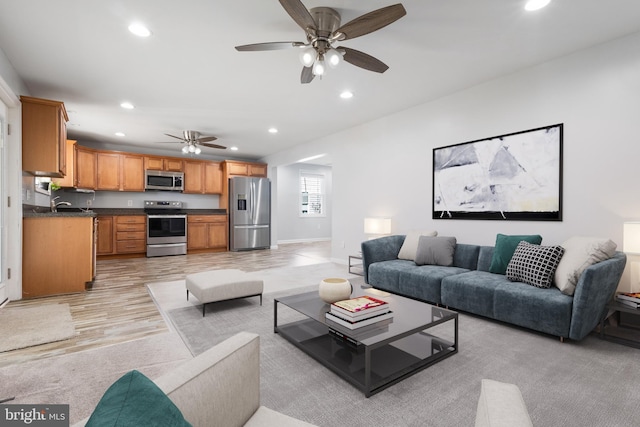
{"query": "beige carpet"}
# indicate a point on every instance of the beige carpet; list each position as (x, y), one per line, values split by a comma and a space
(22, 327)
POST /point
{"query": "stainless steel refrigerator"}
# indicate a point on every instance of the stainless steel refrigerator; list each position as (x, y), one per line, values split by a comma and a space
(249, 213)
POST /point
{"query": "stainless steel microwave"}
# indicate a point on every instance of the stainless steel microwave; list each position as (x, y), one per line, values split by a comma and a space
(163, 180)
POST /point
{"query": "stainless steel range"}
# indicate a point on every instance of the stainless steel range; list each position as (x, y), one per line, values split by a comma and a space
(166, 228)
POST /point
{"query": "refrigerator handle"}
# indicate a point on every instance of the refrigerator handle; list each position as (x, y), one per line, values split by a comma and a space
(252, 201)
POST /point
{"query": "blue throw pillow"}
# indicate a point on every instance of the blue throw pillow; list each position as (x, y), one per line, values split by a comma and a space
(135, 400)
(504, 249)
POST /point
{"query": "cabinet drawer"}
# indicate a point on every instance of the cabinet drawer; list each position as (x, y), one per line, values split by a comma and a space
(131, 246)
(138, 219)
(206, 218)
(131, 235)
(130, 227)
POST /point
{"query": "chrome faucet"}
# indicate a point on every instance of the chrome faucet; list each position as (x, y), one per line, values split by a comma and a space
(54, 205)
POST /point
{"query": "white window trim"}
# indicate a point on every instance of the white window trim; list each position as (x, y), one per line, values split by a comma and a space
(323, 194)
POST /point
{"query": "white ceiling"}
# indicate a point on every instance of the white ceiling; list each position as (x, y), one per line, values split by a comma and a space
(188, 75)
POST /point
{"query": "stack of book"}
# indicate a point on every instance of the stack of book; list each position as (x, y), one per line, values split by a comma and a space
(358, 312)
(632, 299)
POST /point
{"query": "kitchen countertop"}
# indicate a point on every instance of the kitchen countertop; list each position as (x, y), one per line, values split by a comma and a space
(44, 212)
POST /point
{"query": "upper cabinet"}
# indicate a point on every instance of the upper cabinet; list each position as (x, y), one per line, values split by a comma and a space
(85, 168)
(44, 137)
(163, 164)
(202, 177)
(235, 168)
(69, 178)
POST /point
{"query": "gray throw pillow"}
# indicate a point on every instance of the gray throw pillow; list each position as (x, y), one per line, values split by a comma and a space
(435, 250)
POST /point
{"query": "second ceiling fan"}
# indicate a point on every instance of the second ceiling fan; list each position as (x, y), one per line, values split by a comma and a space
(322, 28)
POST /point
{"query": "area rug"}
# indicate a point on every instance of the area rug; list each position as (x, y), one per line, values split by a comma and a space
(22, 327)
(592, 382)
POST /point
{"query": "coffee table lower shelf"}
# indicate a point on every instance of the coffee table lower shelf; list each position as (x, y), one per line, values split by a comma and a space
(370, 369)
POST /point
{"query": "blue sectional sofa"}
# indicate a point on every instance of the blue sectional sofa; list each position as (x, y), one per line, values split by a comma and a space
(468, 286)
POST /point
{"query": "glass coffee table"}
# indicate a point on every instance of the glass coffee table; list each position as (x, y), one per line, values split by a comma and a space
(373, 357)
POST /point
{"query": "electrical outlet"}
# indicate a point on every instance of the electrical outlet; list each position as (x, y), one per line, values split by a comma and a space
(88, 202)
(129, 202)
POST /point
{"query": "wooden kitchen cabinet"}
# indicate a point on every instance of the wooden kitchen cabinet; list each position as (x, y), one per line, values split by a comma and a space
(202, 177)
(44, 137)
(132, 166)
(131, 234)
(85, 169)
(108, 171)
(235, 168)
(105, 245)
(69, 178)
(207, 232)
(163, 164)
(57, 255)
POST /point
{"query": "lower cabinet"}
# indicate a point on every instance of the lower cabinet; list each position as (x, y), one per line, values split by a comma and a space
(122, 235)
(57, 255)
(207, 232)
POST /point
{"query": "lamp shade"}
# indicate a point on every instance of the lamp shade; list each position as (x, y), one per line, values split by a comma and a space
(377, 225)
(631, 237)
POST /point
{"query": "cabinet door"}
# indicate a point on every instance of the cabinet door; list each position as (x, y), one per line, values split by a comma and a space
(105, 235)
(69, 178)
(212, 178)
(217, 235)
(62, 141)
(132, 172)
(259, 170)
(85, 168)
(108, 171)
(196, 235)
(153, 163)
(171, 164)
(234, 168)
(193, 176)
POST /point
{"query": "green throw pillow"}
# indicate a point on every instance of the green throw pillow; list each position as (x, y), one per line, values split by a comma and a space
(134, 400)
(504, 249)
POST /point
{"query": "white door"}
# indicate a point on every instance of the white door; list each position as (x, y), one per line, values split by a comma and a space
(3, 193)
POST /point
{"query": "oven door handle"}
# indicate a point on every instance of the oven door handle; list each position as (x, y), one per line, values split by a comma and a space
(166, 216)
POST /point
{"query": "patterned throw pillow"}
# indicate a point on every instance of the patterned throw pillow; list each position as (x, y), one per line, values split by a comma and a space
(534, 264)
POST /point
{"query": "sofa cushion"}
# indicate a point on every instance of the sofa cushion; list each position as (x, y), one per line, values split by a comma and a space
(424, 282)
(504, 249)
(410, 245)
(385, 275)
(580, 253)
(473, 291)
(134, 400)
(435, 251)
(534, 264)
(542, 309)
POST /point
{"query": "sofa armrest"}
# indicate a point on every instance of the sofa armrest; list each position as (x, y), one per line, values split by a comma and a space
(594, 290)
(381, 249)
(220, 386)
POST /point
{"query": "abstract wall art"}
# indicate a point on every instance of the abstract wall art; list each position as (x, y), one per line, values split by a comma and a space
(517, 176)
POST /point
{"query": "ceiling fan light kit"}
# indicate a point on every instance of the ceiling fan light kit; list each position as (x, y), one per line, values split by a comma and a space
(322, 28)
(193, 141)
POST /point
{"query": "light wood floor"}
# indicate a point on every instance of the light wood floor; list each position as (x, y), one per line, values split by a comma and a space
(119, 308)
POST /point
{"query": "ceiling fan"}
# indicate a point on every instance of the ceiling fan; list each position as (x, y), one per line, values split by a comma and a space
(322, 28)
(193, 140)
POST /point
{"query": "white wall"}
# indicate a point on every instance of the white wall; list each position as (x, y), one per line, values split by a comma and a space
(388, 162)
(291, 227)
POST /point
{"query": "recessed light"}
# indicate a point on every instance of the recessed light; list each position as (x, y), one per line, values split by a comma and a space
(233, 148)
(139, 30)
(273, 130)
(127, 105)
(120, 134)
(346, 94)
(536, 4)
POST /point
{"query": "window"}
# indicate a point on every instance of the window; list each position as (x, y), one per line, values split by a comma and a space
(311, 194)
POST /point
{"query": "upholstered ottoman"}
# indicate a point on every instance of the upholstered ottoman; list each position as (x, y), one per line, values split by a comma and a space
(222, 285)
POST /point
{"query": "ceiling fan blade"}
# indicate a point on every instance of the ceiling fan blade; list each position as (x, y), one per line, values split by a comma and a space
(176, 137)
(362, 60)
(268, 46)
(300, 14)
(212, 145)
(206, 139)
(370, 22)
(307, 75)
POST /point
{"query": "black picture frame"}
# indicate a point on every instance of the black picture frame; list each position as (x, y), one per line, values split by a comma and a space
(515, 176)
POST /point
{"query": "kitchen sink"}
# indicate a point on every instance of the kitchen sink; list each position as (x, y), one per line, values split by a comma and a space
(67, 209)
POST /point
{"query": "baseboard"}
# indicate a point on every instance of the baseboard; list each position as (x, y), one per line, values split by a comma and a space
(5, 302)
(319, 239)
